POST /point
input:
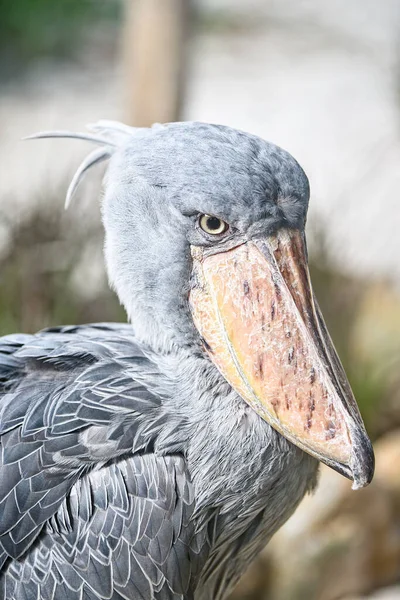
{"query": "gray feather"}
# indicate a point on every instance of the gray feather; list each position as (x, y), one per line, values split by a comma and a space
(94, 158)
(87, 137)
(129, 468)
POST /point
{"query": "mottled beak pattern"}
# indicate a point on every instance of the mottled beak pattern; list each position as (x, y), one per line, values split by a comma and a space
(254, 307)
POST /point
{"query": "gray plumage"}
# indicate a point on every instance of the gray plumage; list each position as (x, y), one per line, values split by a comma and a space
(129, 466)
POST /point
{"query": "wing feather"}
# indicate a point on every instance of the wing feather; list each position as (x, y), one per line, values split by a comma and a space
(85, 505)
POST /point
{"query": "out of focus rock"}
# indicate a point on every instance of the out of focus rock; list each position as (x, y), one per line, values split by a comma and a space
(255, 582)
(340, 544)
(388, 593)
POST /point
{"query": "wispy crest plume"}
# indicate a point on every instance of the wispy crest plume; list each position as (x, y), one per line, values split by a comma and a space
(110, 135)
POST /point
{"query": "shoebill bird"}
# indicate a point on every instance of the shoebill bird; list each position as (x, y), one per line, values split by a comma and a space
(155, 460)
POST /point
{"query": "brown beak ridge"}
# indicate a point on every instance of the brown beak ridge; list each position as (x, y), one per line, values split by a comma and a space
(254, 307)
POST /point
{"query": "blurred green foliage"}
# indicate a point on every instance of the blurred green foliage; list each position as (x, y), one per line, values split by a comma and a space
(340, 297)
(36, 273)
(37, 28)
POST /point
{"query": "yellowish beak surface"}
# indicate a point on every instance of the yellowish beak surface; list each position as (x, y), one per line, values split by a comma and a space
(254, 307)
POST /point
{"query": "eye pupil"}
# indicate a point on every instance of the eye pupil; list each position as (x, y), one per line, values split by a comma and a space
(213, 223)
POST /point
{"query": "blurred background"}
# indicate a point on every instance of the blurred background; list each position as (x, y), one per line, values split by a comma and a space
(321, 79)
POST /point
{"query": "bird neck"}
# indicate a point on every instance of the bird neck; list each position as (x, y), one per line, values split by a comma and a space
(234, 457)
(248, 479)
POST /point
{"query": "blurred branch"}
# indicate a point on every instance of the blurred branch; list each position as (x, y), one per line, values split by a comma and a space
(155, 57)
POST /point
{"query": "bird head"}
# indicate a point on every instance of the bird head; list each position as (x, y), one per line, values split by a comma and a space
(206, 249)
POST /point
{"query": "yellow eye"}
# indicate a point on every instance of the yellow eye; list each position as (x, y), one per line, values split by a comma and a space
(213, 225)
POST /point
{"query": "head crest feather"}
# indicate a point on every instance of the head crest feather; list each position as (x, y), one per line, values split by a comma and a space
(110, 135)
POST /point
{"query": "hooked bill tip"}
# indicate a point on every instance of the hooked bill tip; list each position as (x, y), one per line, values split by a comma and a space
(363, 461)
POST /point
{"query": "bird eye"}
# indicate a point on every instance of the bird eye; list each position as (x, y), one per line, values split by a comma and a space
(213, 225)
